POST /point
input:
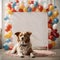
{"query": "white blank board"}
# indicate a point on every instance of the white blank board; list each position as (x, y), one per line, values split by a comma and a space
(37, 23)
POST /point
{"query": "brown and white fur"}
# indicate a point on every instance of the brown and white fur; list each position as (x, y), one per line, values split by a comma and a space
(23, 47)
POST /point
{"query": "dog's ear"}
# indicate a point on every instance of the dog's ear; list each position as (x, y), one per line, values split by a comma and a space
(29, 33)
(17, 33)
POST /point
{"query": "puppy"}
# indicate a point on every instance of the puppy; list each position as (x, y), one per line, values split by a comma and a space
(23, 47)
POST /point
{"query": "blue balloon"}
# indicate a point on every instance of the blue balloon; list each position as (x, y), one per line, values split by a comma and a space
(56, 20)
(6, 18)
(50, 13)
(36, 4)
(6, 47)
(14, 4)
(55, 6)
(29, 9)
(8, 40)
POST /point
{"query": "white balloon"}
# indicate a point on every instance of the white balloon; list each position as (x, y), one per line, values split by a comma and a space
(45, 5)
(31, 5)
(26, 5)
(16, 8)
(55, 26)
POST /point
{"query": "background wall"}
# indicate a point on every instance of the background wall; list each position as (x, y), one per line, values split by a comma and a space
(57, 2)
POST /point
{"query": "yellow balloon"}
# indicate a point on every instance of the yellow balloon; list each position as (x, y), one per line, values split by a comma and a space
(51, 7)
(55, 13)
(37, 10)
(53, 43)
(51, 17)
(9, 12)
(25, 9)
(21, 6)
(44, 10)
(8, 35)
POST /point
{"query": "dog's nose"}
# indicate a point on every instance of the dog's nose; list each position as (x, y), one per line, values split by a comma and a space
(22, 38)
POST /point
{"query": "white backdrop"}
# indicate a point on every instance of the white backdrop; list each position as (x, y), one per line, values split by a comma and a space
(37, 23)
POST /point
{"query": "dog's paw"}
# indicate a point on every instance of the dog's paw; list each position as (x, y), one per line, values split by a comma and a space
(32, 55)
(21, 55)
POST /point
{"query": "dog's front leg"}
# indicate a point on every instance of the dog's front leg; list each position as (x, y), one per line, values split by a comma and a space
(32, 55)
(14, 49)
(19, 52)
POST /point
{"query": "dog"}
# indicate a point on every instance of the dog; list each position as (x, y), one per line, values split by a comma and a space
(23, 46)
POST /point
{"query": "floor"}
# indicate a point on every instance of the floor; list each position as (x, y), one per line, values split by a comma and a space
(6, 57)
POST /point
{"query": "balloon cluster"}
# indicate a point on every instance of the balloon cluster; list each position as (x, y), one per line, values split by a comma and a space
(52, 25)
(33, 6)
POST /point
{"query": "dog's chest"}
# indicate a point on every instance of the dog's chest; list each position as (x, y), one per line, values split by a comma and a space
(25, 49)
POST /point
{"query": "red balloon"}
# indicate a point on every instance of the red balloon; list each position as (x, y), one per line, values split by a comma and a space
(8, 28)
(11, 47)
(13, 10)
(49, 25)
(57, 35)
(17, 1)
(20, 10)
(40, 7)
(47, 10)
(55, 30)
(50, 21)
(50, 37)
(33, 9)
(9, 6)
(50, 46)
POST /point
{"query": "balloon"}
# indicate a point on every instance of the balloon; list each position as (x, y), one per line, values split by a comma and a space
(50, 21)
(44, 10)
(50, 46)
(10, 12)
(50, 26)
(29, 9)
(33, 9)
(51, 37)
(8, 40)
(55, 6)
(10, 47)
(56, 20)
(45, 6)
(13, 5)
(20, 10)
(13, 10)
(57, 35)
(32, 5)
(55, 26)
(54, 38)
(6, 18)
(51, 7)
(8, 35)
(55, 30)
(51, 17)
(55, 13)
(40, 7)
(25, 9)
(16, 8)
(8, 28)
(17, 1)
(35, 4)
(53, 43)
(50, 13)
(21, 6)
(5, 46)
(9, 5)
(37, 10)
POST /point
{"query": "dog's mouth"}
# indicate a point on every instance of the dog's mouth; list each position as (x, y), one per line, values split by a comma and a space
(23, 45)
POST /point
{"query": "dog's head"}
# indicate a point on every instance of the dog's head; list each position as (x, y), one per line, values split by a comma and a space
(23, 38)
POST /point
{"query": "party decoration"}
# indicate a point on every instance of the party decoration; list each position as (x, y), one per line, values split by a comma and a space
(55, 26)
(32, 6)
(51, 7)
(56, 13)
(56, 20)
(40, 7)
(5, 46)
(50, 13)
(8, 35)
